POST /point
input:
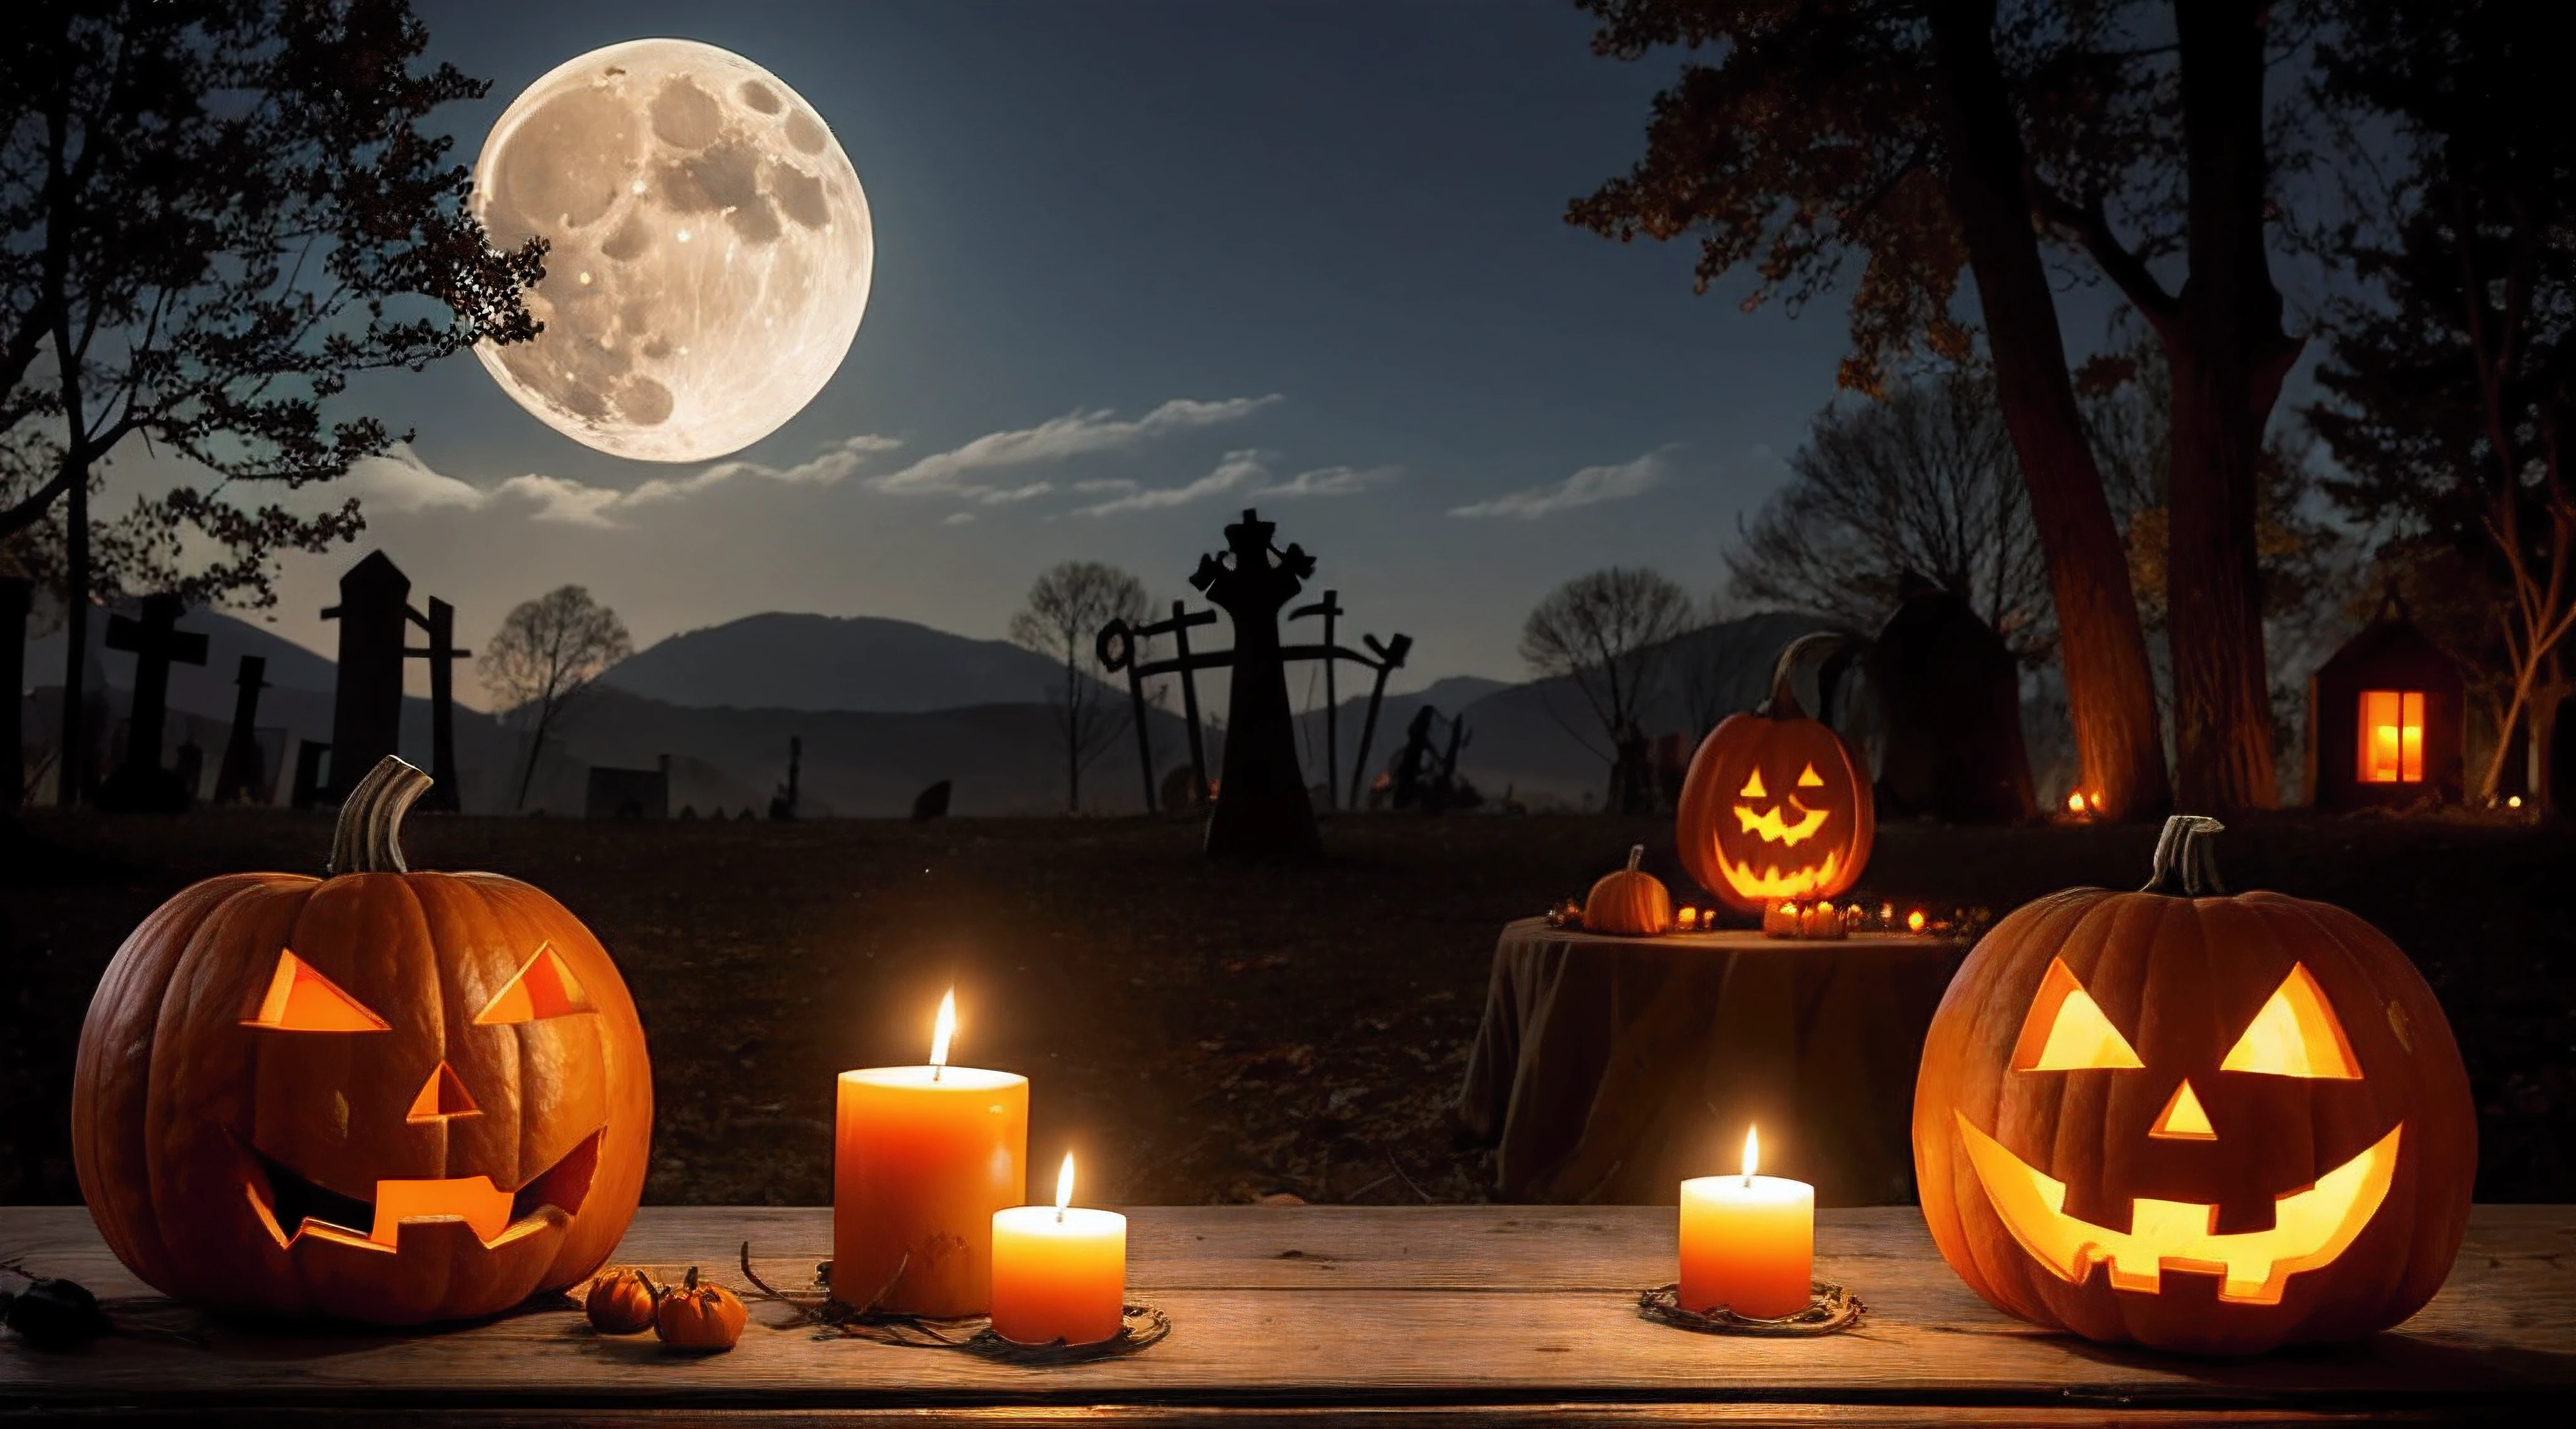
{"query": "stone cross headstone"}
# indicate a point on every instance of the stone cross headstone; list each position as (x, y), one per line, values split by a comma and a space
(157, 643)
(1261, 809)
(442, 654)
(242, 773)
(16, 598)
(366, 708)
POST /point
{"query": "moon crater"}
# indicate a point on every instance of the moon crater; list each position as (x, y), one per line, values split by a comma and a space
(710, 249)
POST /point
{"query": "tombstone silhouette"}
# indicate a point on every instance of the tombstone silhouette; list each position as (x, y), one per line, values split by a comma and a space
(157, 643)
(932, 803)
(1262, 810)
(243, 771)
(366, 705)
(16, 596)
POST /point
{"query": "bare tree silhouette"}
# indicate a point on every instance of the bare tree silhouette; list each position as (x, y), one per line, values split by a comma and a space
(546, 654)
(1066, 608)
(1609, 633)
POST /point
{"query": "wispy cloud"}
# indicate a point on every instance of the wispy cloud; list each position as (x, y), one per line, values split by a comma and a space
(1331, 481)
(1245, 473)
(1588, 487)
(963, 471)
(400, 482)
(1237, 472)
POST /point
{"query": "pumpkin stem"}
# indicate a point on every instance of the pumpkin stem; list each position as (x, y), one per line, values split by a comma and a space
(2186, 863)
(1636, 855)
(369, 836)
(1783, 703)
(692, 1282)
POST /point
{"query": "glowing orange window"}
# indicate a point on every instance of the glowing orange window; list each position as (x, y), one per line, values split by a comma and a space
(2392, 736)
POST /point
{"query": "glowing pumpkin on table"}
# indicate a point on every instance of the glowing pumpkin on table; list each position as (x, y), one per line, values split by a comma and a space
(383, 1095)
(1775, 806)
(2192, 1121)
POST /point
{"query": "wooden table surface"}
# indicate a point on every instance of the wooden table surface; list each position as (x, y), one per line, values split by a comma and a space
(1340, 1315)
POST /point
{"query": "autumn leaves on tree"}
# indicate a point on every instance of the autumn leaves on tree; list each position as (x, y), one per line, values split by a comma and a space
(1911, 140)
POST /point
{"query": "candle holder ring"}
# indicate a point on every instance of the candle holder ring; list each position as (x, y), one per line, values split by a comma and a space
(1141, 1325)
(1830, 1310)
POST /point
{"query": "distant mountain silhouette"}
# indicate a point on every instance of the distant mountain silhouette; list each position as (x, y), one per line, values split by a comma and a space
(861, 663)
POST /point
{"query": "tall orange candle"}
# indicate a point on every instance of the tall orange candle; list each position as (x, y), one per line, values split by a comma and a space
(1060, 1271)
(1748, 1242)
(921, 1159)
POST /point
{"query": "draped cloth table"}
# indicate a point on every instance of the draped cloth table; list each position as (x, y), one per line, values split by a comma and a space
(1608, 1069)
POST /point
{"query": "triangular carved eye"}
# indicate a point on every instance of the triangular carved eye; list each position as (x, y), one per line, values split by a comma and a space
(302, 1000)
(2066, 1031)
(1753, 787)
(543, 988)
(2295, 1035)
(1808, 778)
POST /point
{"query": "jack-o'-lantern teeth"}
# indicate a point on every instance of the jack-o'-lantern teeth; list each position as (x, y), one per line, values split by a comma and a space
(1775, 829)
(1776, 882)
(2311, 1226)
(282, 1199)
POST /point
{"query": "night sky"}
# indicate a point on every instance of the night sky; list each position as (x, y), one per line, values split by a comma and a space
(1329, 235)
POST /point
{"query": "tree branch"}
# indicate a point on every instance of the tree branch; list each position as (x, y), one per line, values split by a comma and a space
(2091, 227)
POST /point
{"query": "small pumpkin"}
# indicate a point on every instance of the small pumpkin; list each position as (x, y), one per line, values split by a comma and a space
(1630, 902)
(2192, 1121)
(1775, 805)
(621, 1302)
(383, 1095)
(695, 1315)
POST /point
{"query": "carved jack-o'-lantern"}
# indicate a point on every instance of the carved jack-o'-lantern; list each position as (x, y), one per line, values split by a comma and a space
(1775, 807)
(2192, 1121)
(383, 1095)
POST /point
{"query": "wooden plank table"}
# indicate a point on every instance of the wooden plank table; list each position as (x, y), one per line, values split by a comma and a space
(1338, 1315)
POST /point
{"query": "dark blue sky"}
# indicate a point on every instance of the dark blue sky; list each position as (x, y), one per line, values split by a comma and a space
(1097, 209)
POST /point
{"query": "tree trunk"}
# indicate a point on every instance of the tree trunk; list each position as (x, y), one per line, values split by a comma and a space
(536, 747)
(2228, 355)
(71, 774)
(2110, 690)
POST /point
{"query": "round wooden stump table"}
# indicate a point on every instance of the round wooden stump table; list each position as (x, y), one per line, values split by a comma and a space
(1608, 1069)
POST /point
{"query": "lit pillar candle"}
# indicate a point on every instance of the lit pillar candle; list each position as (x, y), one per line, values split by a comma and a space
(921, 1159)
(1748, 1242)
(1060, 1271)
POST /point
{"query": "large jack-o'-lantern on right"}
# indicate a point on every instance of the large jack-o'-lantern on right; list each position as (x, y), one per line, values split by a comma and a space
(2192, 1121)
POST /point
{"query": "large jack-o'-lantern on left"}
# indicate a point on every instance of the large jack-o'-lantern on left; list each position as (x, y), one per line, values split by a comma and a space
(384, 1095)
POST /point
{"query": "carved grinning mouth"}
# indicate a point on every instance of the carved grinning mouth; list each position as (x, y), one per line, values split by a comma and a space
(282, 1198)
(2311, 1226)
(1777, 882)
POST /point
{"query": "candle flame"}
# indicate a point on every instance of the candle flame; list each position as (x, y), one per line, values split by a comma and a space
(2075, 802)
(1788, 907)
(1064, 1186)
(1752, 1153)
(1914, 921)
(943, 1029)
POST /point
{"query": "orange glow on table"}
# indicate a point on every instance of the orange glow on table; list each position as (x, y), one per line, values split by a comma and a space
(921, 1159)
(1059, 1272)
(1748, 1242)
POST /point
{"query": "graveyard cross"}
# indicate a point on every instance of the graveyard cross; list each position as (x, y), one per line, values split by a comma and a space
(15, 599)
(1330, 608)
(156, 643)
(1261, 807)
(242, 775)
(442, 655)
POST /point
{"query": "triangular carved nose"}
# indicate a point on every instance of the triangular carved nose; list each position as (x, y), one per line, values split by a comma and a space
(2183, 1119)
(442, 1097)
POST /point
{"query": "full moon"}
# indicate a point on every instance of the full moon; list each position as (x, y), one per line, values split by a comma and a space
(710, 249)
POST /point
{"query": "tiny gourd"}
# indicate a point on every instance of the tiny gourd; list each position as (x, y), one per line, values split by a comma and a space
(621, 1302)
(698, 1315)
(1629, 902)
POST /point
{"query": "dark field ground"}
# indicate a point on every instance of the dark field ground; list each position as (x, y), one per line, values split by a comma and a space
(1200, 1033)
